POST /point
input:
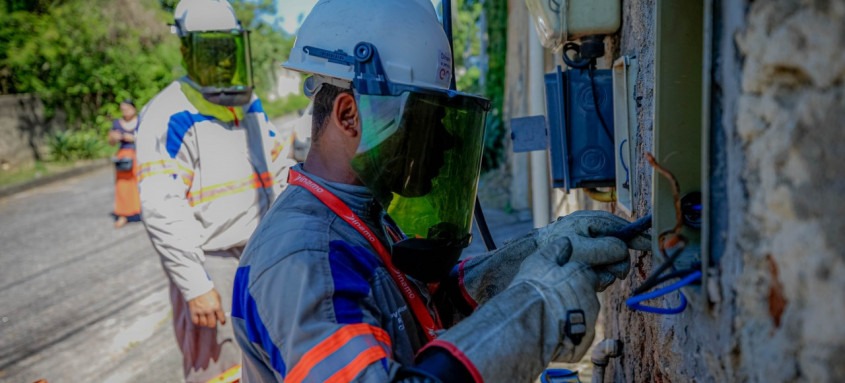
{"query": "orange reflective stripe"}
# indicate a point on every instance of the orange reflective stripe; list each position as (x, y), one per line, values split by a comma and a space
(232, 375)
(277, 149)
(357, 365)
(214, 192)
(333, 343)
(266, 179)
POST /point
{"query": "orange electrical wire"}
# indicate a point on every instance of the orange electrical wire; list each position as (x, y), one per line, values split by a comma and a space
(676, 196)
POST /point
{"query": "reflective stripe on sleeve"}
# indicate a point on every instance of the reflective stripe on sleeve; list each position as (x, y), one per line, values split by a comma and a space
(343, 355)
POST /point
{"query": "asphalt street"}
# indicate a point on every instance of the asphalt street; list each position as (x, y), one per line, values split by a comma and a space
(79, 300)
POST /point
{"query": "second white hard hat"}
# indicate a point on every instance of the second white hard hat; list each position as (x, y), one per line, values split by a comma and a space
(204, 16)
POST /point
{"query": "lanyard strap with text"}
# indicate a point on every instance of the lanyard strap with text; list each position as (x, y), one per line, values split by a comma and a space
(344, 212)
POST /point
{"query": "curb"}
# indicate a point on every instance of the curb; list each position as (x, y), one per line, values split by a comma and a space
(87, 167)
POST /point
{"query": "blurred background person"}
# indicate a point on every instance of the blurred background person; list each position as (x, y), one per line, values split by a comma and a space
(211, 164)
(127, 203)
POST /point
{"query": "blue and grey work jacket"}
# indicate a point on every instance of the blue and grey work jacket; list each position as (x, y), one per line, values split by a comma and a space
(314, 303)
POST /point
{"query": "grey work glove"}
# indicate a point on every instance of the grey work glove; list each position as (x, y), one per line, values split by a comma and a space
(515, 335)
(587, 231)
(487, 275)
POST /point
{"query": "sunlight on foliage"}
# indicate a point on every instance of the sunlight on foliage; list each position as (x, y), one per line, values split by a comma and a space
(84, 56)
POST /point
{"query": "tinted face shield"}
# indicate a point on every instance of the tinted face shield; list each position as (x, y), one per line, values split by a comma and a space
(219, 65)
(420, 154)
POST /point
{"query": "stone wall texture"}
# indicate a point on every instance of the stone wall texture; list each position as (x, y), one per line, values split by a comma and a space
(23, 129)
(776, 307)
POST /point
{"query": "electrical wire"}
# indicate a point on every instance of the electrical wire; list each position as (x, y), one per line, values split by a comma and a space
(673, 239)
(654, 279)
(589, 65)
(554, 6)
(577, 63)
(594, 91)
(601, 196)
(635, 302)
(627, 183)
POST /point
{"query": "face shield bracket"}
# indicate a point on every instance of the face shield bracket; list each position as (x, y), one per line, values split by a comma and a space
(370, 77)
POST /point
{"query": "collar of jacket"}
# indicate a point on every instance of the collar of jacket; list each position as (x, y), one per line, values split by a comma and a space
(219, 112)
(357, 197)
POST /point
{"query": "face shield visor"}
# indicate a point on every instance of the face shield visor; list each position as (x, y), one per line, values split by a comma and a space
(420, 154)
(219, 65)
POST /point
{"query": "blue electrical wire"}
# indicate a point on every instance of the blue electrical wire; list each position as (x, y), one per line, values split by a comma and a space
(624, 166)
(635, 302)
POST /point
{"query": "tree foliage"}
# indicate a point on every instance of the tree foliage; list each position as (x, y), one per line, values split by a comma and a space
(84, 56)
(480, 43)
(81, 56)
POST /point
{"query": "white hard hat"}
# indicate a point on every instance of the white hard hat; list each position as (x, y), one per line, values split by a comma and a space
(204, 15)
(413, 47)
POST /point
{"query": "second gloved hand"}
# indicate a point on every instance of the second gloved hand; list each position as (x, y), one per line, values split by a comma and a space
(547, 313)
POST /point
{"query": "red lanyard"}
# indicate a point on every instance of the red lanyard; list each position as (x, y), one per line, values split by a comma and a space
(410, 292)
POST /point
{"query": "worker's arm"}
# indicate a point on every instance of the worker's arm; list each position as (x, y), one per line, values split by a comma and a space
(314, 315)
(547, 314)
(164, 152)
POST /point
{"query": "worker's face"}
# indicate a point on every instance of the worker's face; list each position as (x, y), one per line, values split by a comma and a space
(127, 111)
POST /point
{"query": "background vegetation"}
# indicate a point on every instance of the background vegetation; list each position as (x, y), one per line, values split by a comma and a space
(480, 39)
(83, 56)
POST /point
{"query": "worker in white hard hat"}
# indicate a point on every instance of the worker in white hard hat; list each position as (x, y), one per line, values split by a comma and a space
(211, 165)
(354, 274)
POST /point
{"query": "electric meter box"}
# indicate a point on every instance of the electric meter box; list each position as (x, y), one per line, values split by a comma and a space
(559, 21)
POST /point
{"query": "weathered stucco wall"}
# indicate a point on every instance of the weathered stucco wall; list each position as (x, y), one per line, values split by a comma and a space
(791, 295)
(777, 306)
(22, 130)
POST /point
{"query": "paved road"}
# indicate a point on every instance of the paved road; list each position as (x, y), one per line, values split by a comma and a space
(77, 297)
(80, 301)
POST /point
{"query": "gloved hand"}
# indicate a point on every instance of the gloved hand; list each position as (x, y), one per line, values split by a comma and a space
(547, 313)
(487, 275)
(587, 231)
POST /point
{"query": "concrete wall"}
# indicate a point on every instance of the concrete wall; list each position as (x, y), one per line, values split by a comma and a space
(23, 130)
(777, 293)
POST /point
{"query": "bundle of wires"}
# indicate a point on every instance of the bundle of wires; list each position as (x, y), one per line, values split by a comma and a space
(669, 240)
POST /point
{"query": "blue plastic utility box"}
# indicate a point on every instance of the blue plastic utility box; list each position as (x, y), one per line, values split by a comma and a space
(581, 148)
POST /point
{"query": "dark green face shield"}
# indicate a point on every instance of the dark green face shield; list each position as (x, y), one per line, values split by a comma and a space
(420, 154)
(220, 66)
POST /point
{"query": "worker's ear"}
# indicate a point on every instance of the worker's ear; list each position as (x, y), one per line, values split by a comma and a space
(345, 115)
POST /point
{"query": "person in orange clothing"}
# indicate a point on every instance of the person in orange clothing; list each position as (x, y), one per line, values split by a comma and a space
(127, 202)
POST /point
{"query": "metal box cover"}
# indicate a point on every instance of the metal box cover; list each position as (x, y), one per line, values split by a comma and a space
(529, 134)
